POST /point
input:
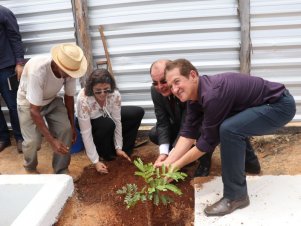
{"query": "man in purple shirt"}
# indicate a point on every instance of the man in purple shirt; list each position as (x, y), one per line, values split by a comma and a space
(234, 107)
(169, 118)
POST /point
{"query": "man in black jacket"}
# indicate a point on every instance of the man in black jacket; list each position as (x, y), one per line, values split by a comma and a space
(169, 112)
(11, 66)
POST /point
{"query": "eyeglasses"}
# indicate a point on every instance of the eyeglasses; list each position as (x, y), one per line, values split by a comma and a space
(101, 91)
(162, 82)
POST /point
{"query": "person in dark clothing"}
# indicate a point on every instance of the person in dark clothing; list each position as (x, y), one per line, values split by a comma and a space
(234, 107)
(11, 65)
(170, 113)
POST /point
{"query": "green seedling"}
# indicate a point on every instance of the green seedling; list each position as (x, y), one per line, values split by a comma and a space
(157, 181)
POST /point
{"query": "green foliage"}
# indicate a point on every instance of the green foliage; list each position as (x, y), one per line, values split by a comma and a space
(156, 181)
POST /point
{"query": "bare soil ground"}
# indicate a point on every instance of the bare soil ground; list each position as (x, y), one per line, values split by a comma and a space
(95, 203)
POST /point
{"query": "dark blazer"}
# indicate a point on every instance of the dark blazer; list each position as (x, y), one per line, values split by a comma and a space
(168, 121)
(11, 46)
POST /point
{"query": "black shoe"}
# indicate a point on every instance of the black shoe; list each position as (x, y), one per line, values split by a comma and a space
(253, 166)
(4, 144)
(226, 206)
(202, 171)
(204, 166)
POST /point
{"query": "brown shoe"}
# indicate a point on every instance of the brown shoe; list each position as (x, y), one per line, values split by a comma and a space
(4, 144)
(226, 206)
(19, 146)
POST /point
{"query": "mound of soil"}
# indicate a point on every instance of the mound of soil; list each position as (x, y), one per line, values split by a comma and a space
(95, 188)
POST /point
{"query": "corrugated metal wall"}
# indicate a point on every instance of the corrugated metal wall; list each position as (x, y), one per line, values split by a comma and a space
(140, 32)
(42, 24)
(276, 39)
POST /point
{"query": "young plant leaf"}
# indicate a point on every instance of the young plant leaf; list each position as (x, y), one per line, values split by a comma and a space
(156, 183)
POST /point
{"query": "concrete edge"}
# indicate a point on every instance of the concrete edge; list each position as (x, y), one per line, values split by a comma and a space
(45, 207)
(255, 195)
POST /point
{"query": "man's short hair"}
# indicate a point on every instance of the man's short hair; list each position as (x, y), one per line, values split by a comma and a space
(184, 67)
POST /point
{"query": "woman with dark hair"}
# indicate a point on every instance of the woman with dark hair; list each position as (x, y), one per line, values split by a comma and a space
(107, 128)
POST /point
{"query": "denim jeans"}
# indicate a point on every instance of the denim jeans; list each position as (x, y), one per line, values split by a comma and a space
(234, 131)
(10, 98)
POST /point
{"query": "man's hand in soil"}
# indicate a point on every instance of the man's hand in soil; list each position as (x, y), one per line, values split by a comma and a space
(121, 153)
(101, 167)
(165, 162)
(59, 147)
(74, 136)
(160, 158)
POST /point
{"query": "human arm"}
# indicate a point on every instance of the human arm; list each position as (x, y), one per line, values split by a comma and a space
(163, 125)
(161, 158)
(19, 69)
(69, 103)
(57, 145)
(163, 153)
(114, 105)
(84, 121)
(84, 110)
(190, 156)
(122, 153)
(182, 154)
(179, 117)
(183, 145)
(101, 167)
(86, 132)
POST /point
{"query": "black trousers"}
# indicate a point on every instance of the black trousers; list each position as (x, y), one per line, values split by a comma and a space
(173, 135)
(103, 131)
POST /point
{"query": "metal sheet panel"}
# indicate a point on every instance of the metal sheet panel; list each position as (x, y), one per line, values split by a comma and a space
(140, 32)
(42, 25)
(276, 40)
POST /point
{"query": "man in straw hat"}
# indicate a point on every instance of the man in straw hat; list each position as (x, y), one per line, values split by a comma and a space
(38, 101)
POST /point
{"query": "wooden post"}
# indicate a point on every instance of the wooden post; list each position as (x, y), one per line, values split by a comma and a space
(246, 45)
(80, 12)
(105, 47)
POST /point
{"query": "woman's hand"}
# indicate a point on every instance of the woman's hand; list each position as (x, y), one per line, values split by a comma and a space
(101, 167)
(121, 153)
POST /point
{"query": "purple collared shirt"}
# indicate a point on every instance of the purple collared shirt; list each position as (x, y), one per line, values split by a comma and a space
(220, 97)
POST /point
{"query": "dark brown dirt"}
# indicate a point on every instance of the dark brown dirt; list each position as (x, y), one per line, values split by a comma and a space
(94, 188)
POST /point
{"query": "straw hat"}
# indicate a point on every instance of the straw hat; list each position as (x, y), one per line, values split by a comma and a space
(70, 58)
